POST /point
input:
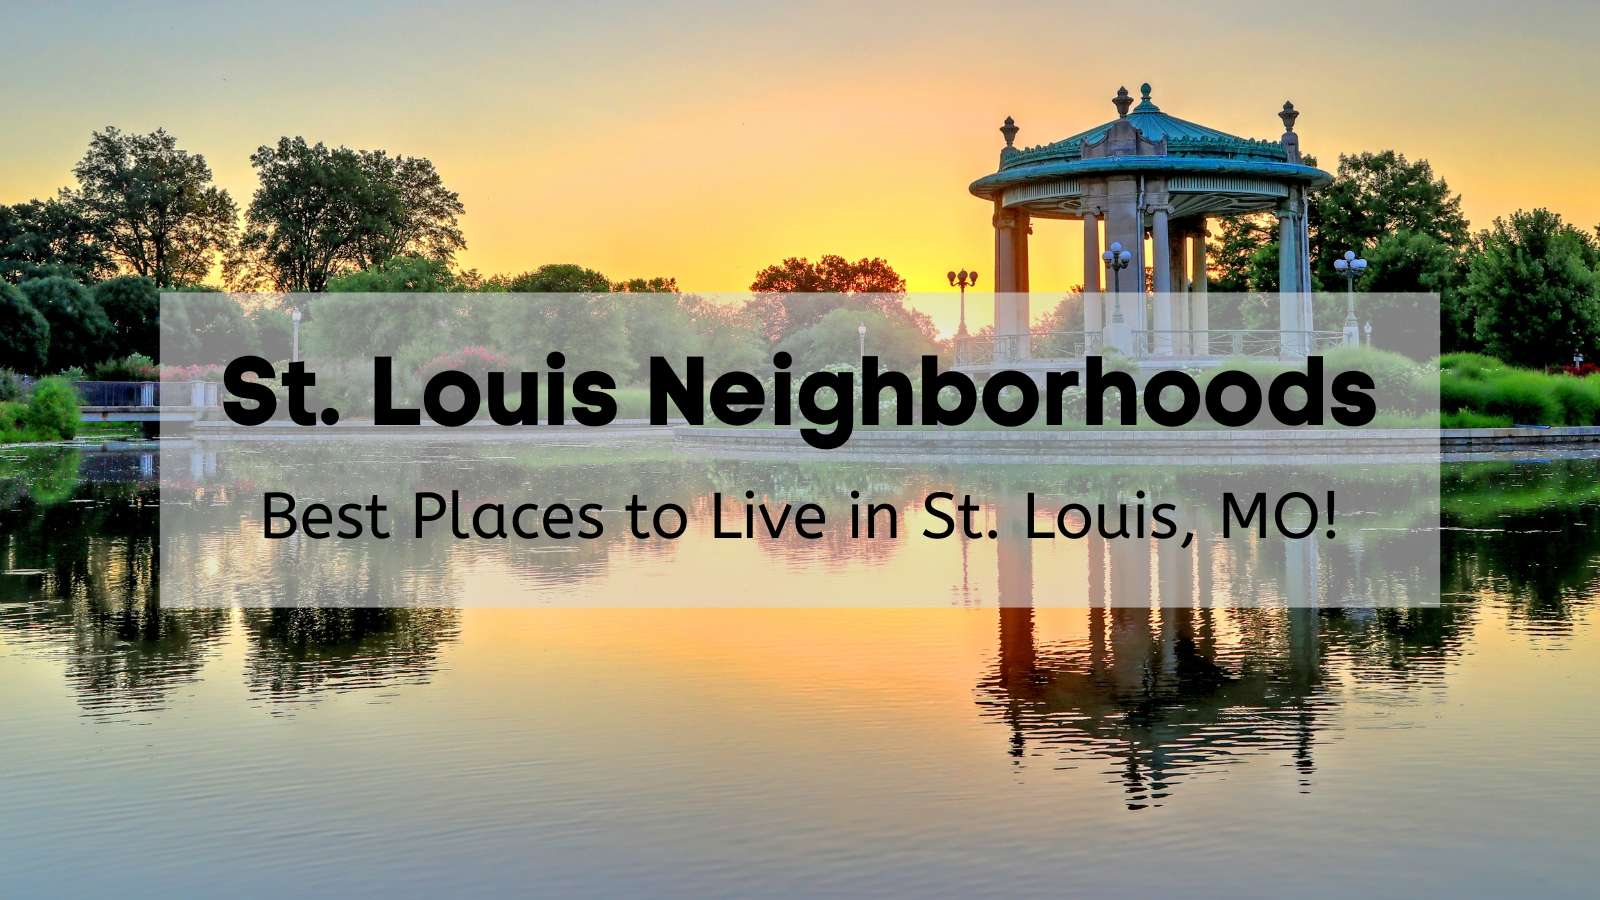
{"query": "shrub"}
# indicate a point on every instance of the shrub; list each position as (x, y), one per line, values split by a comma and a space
(1394, 376)
(475, 361)
(133, 367)
(1470, 365)
(24, 333)
(1523, 396)
(1579, 398)
(52, 411)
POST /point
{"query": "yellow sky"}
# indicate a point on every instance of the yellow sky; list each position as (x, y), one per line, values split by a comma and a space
(704, 140)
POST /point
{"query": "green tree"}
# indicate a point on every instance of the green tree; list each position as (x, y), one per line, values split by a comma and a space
(1406, 262)
(24, 333)
(402, 274)
(1375, 195)
(80, 333)
(836, 338)
(321, 212)
(272, 330)
(152, 205)
(204, 326)
(133, 306)
(1532, 288)
(49, 237)
(1231, 265)
(425, 225)
(785, 306)
(559, 278)
(309, 217)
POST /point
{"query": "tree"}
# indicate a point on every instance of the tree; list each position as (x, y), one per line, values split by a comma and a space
(426, 222)
(80, 333)
(272, 329)
(1407, 262)
(836, 338)
(559, 278)
(152, 205)
(204, 326)
(1531, 286)
(321, 212)
(1231, 259)
(39, 238)
(309, 216)
(24, 333)
(133, 306)
(785, 307)
(1375, 195)
(656, 285)
(402, 274)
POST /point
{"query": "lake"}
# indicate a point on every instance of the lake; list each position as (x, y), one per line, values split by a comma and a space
(975, 745)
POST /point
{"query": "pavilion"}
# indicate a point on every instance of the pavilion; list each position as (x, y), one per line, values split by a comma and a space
(1147, 175)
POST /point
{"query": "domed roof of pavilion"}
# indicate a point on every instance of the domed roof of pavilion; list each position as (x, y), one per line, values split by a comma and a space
(1168, 145)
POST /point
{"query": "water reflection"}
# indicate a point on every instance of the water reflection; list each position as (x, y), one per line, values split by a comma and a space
(1150, 682)
(78, 549)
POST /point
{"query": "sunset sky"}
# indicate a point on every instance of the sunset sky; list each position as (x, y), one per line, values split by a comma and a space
(704, 140)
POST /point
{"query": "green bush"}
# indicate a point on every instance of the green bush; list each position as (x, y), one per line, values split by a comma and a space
(1579, 398)
(1524, 396)
(1470, 365)
(133, 367)
(1394, 377)
(1458, 393)
(52, 411)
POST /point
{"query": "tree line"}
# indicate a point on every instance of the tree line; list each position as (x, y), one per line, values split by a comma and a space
(80, 272)
(1525, 290)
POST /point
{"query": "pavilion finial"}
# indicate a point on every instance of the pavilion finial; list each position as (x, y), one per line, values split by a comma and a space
(1122, 101)
(1145, 103)
(1009, 130)
(1288, 115)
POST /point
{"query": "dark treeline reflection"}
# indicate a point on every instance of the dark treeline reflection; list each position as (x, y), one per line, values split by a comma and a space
(78, 552)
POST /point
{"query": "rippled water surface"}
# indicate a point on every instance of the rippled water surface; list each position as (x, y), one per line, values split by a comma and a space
(1094, 752)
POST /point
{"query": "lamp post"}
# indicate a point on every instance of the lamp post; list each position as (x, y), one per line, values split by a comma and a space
(963, 280)
(1116, 259)
(294, 341)
(861, 332)
(1351, 266)
(1117, 335)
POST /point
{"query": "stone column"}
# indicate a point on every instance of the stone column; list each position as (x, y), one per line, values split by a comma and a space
(1199, 310)
(1289, 324)
(1160, 245)
(1020, 315)
(1124, 225)
(1005, 276)
(1093, 324)
(1178, 253)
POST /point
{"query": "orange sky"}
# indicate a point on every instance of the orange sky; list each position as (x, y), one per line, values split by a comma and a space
(705, 140)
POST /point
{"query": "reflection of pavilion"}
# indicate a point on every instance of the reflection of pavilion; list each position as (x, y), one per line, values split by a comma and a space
(1147, 175)
(1159, 692)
